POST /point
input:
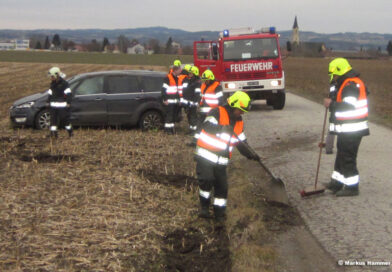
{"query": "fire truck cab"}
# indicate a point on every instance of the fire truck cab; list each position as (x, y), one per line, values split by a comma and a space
(246, 60)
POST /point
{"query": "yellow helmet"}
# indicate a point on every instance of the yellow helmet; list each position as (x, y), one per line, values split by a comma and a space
(239, 100)
(194, 70)
(187, 67)
(208, 75)
(339, 67)
(177, 62)
(54, 72)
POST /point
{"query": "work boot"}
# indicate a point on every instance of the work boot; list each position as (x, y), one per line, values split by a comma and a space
(204, 212)
(204, 207)
(334, 185)
(352, 190)
(220, 217)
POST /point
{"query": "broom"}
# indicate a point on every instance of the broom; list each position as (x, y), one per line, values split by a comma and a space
(313, 190)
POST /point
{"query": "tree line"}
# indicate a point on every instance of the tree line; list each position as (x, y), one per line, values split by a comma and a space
(121, 44)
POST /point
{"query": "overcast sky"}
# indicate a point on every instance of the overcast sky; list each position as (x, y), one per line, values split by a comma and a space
(326, 16)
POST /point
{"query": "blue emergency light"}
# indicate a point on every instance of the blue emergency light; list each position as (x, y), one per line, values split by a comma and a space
(272, 30)
(225, 33)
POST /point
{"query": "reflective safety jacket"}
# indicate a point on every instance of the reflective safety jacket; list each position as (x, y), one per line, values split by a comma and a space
(169, 89)
(59, 94)
(218, 136)
(350, 110)
(211, 96)
(191, 94)
(182, 84)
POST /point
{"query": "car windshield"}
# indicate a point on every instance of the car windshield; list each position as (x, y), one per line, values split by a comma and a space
(247, 49)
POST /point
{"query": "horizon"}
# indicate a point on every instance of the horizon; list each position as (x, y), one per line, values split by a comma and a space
(147, 27)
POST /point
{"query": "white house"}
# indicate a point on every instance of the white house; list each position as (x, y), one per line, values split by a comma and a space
(15, 45)
(136, 49)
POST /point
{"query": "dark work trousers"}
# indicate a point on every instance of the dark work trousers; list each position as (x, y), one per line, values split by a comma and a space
(212, 176)
(329, 143)
(60, 117)
(191, 113)
(346, 157)
(171, 112)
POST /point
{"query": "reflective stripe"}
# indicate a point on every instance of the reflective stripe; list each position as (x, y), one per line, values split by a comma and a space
(204, 109)
(204, 153)
(171, 90)
(332, 89)
(192, 127)
(221, 202)
(212, 95)
(50, 92)
(58, 104)
(169, 125)
(351, 100)
(197, 90)
(204, 194)
(347, 181)
(184, 85)
(351, 114)
(53, 128)
(67, 91)
(212, 101)
(172, 101)
(224, 136)
(211, 119)
(348, 127)
(213, 142)
(68, 127)
(351, 180)
(242, 137)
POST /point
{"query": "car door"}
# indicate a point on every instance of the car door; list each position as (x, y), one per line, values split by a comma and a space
(89, 102)
(123, 98)
(151, 86)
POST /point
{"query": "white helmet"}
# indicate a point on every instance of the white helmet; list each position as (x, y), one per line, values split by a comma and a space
(55, 72)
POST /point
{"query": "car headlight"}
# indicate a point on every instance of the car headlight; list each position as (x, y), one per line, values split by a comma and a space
(25, 105)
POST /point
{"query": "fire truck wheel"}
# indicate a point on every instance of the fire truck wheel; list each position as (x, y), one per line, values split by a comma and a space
(279, 101)
(270, 102)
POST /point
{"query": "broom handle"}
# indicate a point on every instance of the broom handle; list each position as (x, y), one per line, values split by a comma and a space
(321, 148)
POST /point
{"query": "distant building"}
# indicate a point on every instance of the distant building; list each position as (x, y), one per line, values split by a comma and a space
(305, 49)
(295, 36)
(136, 49)
(15, 45)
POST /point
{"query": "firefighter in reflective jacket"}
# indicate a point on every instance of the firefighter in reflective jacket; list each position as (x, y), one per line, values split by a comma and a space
(171, 98)
(211, 97)
(59, 100)
(192, 98)
(349, 120)
(222, 129)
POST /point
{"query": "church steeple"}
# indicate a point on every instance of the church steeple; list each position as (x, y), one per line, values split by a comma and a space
(295, 23)
(295, 37)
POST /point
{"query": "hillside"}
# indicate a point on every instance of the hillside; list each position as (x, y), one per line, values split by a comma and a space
(337, 41)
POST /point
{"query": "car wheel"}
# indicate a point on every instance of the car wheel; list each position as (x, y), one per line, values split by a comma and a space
(42, 120)
(269, 102)
(151, 120)
(279, 101)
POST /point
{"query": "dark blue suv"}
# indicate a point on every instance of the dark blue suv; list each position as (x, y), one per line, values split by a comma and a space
(109, 98)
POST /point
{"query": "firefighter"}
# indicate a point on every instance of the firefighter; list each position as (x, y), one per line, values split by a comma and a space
(349, 121)
(191, 97)
(211, 97)
(59, 101)
(171, 98)
(220, 132)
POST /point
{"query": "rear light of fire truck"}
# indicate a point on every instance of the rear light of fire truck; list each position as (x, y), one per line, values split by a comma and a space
(230, 85)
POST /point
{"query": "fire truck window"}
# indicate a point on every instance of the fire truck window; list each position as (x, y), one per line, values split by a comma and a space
(203, 51)
(250, 49)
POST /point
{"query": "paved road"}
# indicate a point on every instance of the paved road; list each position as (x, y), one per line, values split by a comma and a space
(351, 229)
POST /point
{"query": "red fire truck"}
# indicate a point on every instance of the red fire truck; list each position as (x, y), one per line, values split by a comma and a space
(247, 60)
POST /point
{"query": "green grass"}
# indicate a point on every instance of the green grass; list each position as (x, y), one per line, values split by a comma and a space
(91, 58)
